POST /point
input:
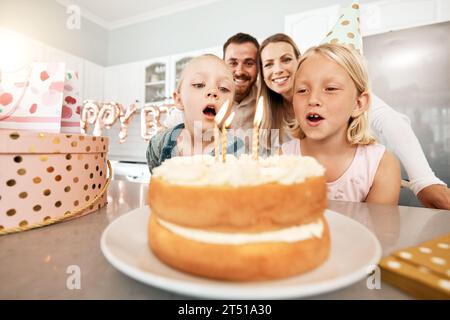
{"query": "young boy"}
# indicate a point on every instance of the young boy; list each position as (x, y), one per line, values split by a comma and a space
(205, 85)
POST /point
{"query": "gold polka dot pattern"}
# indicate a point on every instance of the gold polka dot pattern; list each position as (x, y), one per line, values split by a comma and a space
(347, 31)
(47, 176)
(423, 271)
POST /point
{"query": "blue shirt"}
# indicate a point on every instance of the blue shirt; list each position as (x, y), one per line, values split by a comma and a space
(162, 146)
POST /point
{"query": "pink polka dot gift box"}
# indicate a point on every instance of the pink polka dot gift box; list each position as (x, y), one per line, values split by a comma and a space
(50, 177)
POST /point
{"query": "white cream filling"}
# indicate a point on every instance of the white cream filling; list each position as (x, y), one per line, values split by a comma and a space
(203, 170)
(291, 234)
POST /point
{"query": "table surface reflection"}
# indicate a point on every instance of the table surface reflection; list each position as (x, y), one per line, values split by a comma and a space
(34, 264)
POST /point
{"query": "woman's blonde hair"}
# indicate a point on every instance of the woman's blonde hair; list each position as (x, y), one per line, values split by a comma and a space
(278, 113)
(358, 131)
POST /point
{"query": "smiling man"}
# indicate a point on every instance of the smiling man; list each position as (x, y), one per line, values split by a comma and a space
(240, 53)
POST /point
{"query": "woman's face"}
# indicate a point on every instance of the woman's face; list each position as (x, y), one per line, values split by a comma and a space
(279, 64)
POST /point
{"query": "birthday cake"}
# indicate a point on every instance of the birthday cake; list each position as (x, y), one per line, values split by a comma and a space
(242, 220)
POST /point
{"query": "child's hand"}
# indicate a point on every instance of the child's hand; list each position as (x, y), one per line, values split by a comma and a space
(435, 196)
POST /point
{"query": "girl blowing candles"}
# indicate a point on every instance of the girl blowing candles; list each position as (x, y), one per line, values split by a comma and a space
(331, 100)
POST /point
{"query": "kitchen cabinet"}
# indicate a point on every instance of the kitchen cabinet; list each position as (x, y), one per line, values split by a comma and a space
(93, 77)
(149, 82)
(162, 75)
(178, 63)
(122, 83)
(156, 81)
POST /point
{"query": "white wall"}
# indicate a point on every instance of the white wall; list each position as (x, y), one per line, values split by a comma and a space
(194, 29)
(203, 27)
(45, 21)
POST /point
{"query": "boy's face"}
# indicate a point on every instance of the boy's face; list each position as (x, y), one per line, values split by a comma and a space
(206, 85)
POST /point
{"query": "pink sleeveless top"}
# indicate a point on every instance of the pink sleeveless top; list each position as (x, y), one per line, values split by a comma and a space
(354, 184)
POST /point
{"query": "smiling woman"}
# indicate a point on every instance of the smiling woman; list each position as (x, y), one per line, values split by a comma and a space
(278, 61)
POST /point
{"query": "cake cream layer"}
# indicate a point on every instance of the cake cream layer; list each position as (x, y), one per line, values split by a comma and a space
(290, 234)
(203, 170)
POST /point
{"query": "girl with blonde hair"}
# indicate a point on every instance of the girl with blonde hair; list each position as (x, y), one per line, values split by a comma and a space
(331, 100)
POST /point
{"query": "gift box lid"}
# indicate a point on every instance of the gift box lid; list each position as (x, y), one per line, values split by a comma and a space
(32, 142)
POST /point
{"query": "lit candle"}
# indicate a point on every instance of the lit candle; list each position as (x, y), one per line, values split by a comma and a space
(216, 143)
(256, 123)
(224, 136)
(217, 121)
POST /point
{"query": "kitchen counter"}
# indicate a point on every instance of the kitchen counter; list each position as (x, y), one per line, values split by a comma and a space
(37, 264)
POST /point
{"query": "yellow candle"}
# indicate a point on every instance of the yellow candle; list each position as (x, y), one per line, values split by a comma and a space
(216, 141)
(255, 143)
(224, 136)
(256, 122)
(218, 119)
(224, 144)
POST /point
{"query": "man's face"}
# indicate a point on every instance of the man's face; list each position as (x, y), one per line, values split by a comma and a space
(241, 58)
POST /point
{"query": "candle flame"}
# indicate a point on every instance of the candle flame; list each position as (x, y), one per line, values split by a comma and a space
(219, 116)
(259, 112)
(229, 119)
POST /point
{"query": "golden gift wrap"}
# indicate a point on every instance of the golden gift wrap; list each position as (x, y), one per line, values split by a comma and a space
(423, 271)
(50, 177)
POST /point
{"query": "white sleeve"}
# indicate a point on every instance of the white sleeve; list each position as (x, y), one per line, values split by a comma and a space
(393, 129)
